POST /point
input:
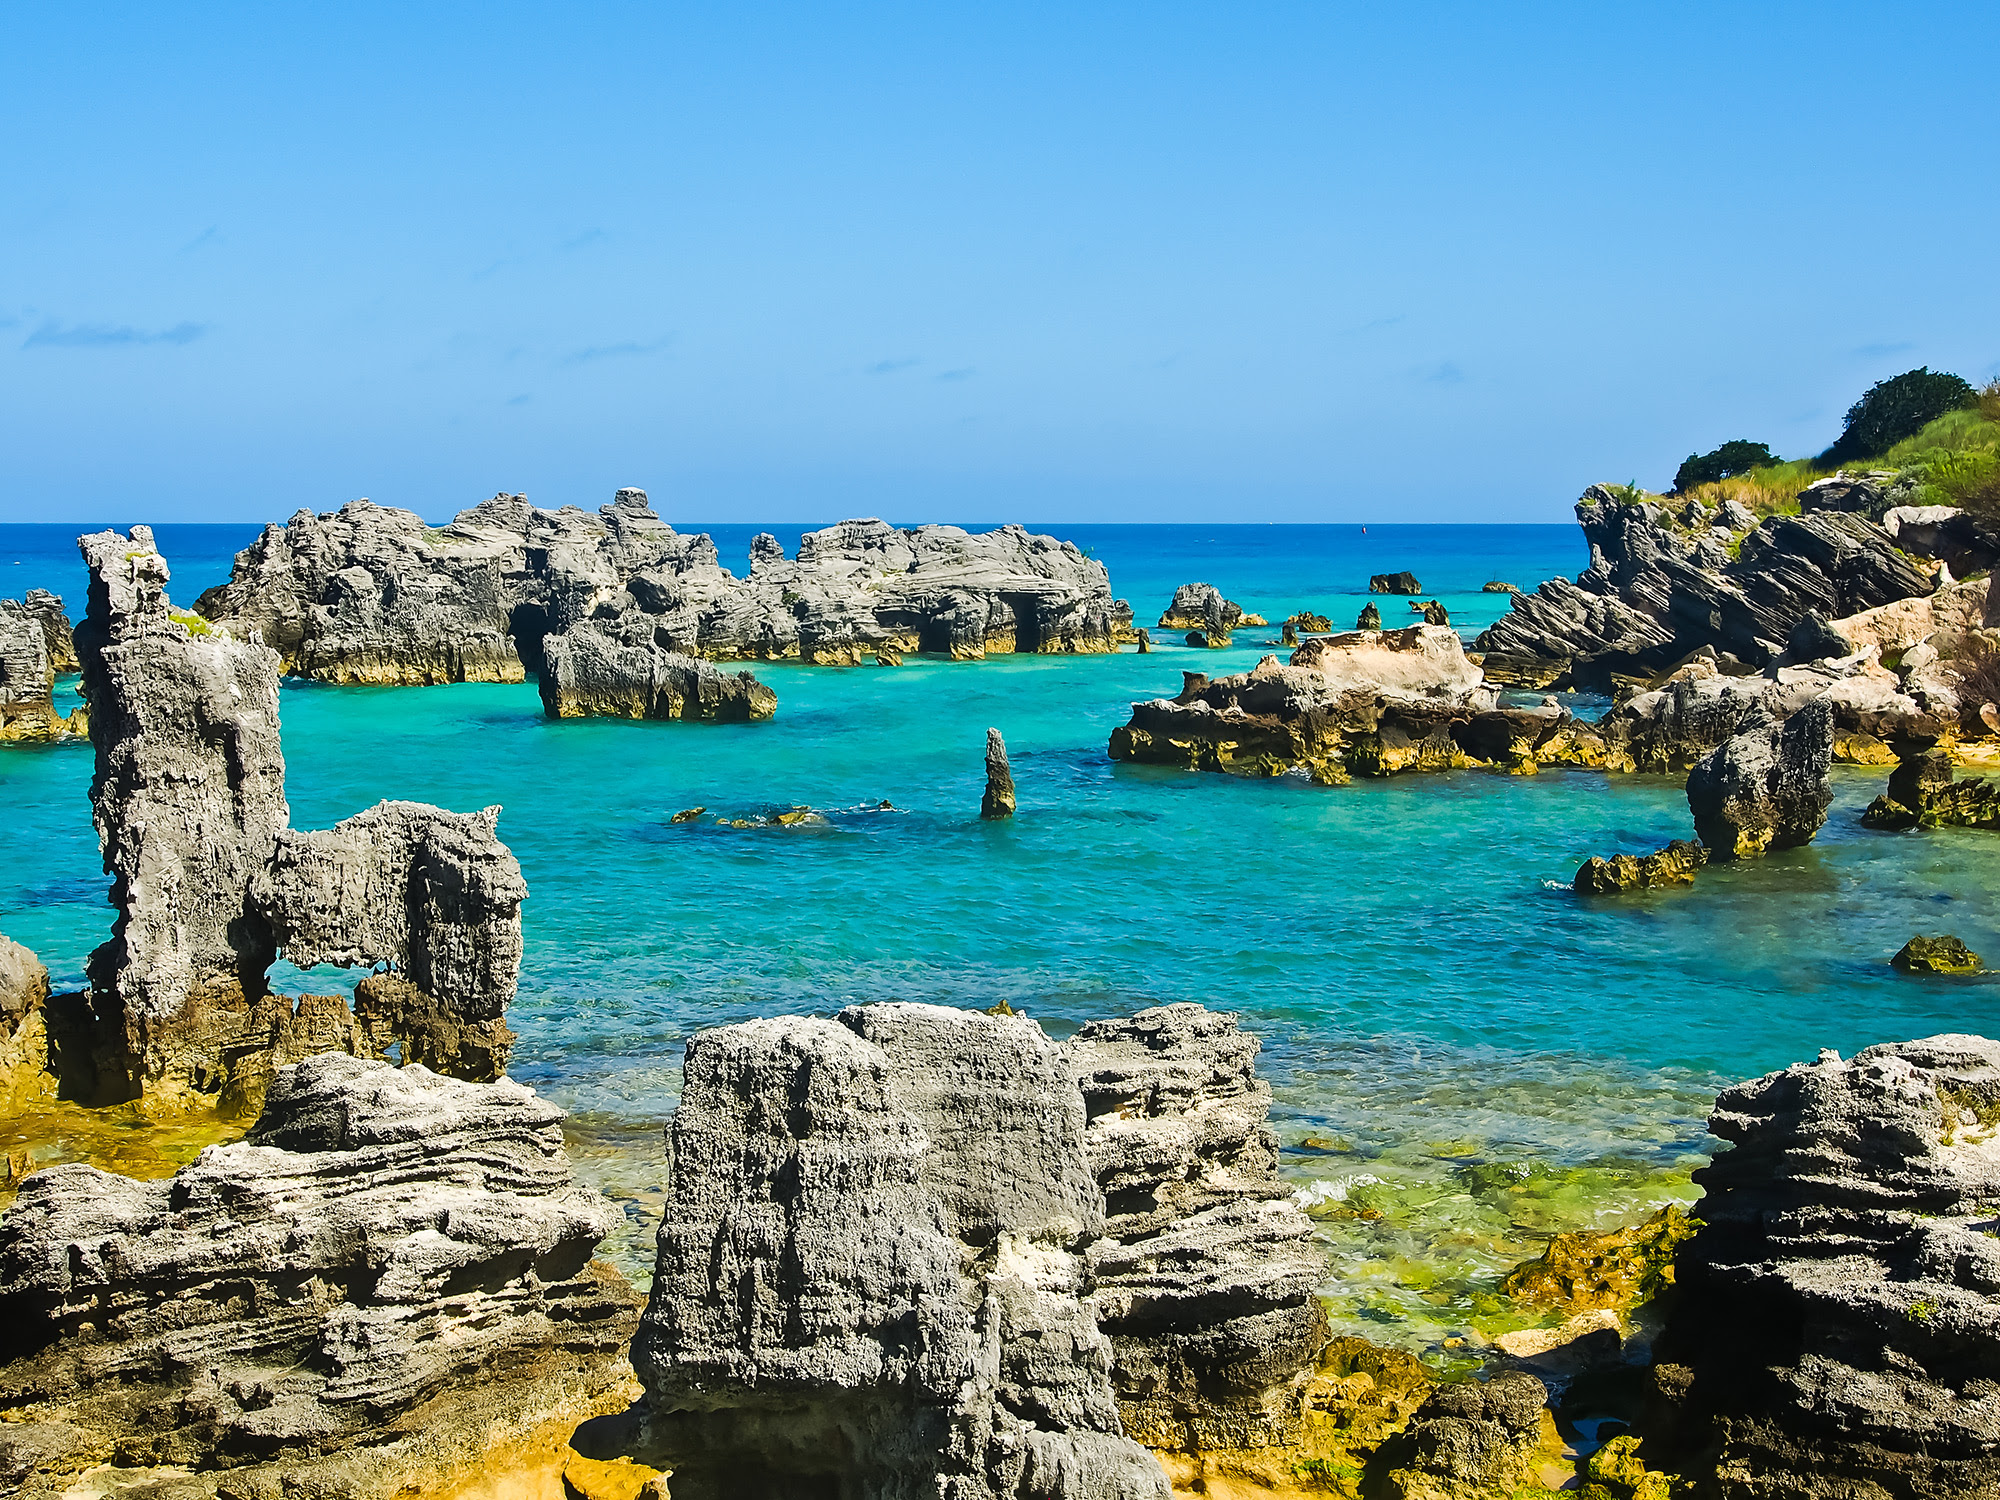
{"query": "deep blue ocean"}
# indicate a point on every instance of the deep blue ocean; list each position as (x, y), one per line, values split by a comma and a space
(1430, 994)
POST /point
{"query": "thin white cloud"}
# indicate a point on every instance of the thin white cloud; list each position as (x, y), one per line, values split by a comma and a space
(54, 335)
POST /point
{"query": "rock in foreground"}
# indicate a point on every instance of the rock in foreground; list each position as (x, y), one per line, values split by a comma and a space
(871, 1268)
(340, 1304)
(1837, 1319)
(915, 1251)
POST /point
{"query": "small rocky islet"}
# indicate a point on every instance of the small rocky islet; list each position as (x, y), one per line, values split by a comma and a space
(911, 1249)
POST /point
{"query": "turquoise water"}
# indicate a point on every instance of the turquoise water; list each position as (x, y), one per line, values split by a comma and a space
(1429, 992)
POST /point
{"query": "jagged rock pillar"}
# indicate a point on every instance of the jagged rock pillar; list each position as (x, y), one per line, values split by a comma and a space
(999, 799)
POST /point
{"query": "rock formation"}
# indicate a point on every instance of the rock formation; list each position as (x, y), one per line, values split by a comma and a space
(871, 1265)
(1923, 794)
(390, 1270)
(1404, 582)
(1205, 1277)
(35, 647)
(589, 671)
(1200, 606)
(1659, 587)
(1370, 617)
(1836, 1323)
(998, 801)
(208, 881)
(1436, 614)
(432, 894)
(1471, 1438)
(1768, 787)
(368, 594)
(1363, 703)
(1673, 865)
(1935, 955)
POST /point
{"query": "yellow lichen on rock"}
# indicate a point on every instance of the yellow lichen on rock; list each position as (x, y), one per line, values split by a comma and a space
(1617, 1269)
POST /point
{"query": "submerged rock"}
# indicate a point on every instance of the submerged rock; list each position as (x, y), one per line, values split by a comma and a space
(871, 1266)
(1938, 955)
(998, 801)
(1495, 586)
(1835, 1322)
(588, 671)
(1404, 582)
(368, 1292)
(1768, 787)
(35, 647)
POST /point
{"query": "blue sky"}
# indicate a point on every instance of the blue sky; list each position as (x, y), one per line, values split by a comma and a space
(1292, 262)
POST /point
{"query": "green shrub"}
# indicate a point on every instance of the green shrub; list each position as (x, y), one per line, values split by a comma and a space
(1726, 462)
(1898, 408)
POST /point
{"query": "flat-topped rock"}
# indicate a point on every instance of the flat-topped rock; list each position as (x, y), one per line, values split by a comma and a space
(609, 669)
(387, 1255)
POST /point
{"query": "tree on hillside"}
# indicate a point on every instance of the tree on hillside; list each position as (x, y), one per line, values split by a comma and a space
(1731, 459)
(1895, 409)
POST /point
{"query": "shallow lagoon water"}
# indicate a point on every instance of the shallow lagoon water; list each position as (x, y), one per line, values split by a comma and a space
(1430, 995)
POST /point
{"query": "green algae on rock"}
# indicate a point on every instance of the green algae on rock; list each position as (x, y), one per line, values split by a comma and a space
(1936, 955)
(1673, 865)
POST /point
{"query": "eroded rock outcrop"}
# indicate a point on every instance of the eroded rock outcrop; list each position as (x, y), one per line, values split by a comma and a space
(590, 671)
(1924, 793)
(1404, 582)
(1359, 703)
(1837, 1322)
(370, 594)
(1674, 865)
(1768, 787)
(1200, 606)
(209, 881)
(1659, 586)
(871, 1266)
(998, 799)
(1205, 1277)
(35, 648)
(390, 1275)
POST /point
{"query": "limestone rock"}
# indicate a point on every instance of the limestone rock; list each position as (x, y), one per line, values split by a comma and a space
(1616, 1269)
(189, 793)
(24, 984)
(1836, 1317)
(998, 801)
(1862, 494)
(1658, 588)
(1673, 865)
(35, 647)
(1768, 787)
(1469, 1440)
(1200, 606)
(1436, 614)
(1404, 582)
(207, 879)
(1922, 793)
(589, 670)
(1370, 617)
(434, 895)
(1205, 1277)
(870, 1266)
(304, 1307)
(1938, 955)
(1310, 624)
(1497, 587)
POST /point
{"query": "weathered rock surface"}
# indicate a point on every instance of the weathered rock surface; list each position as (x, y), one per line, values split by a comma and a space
(590, 671)
(369, 594)
(1923, 793)
(1673, 865)
(1200, 606)
(1935, 955)
(189, 794)
(1472, 1438)
(1768, 787)
(998, 799)
(390, 1261)
(1404, 582)
(35, 647)
(1837, 1321)
(1370, 617)
(1658, 588)
(1205, 1277)
(1360, 703)
(208, 880)
(871, 1266)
